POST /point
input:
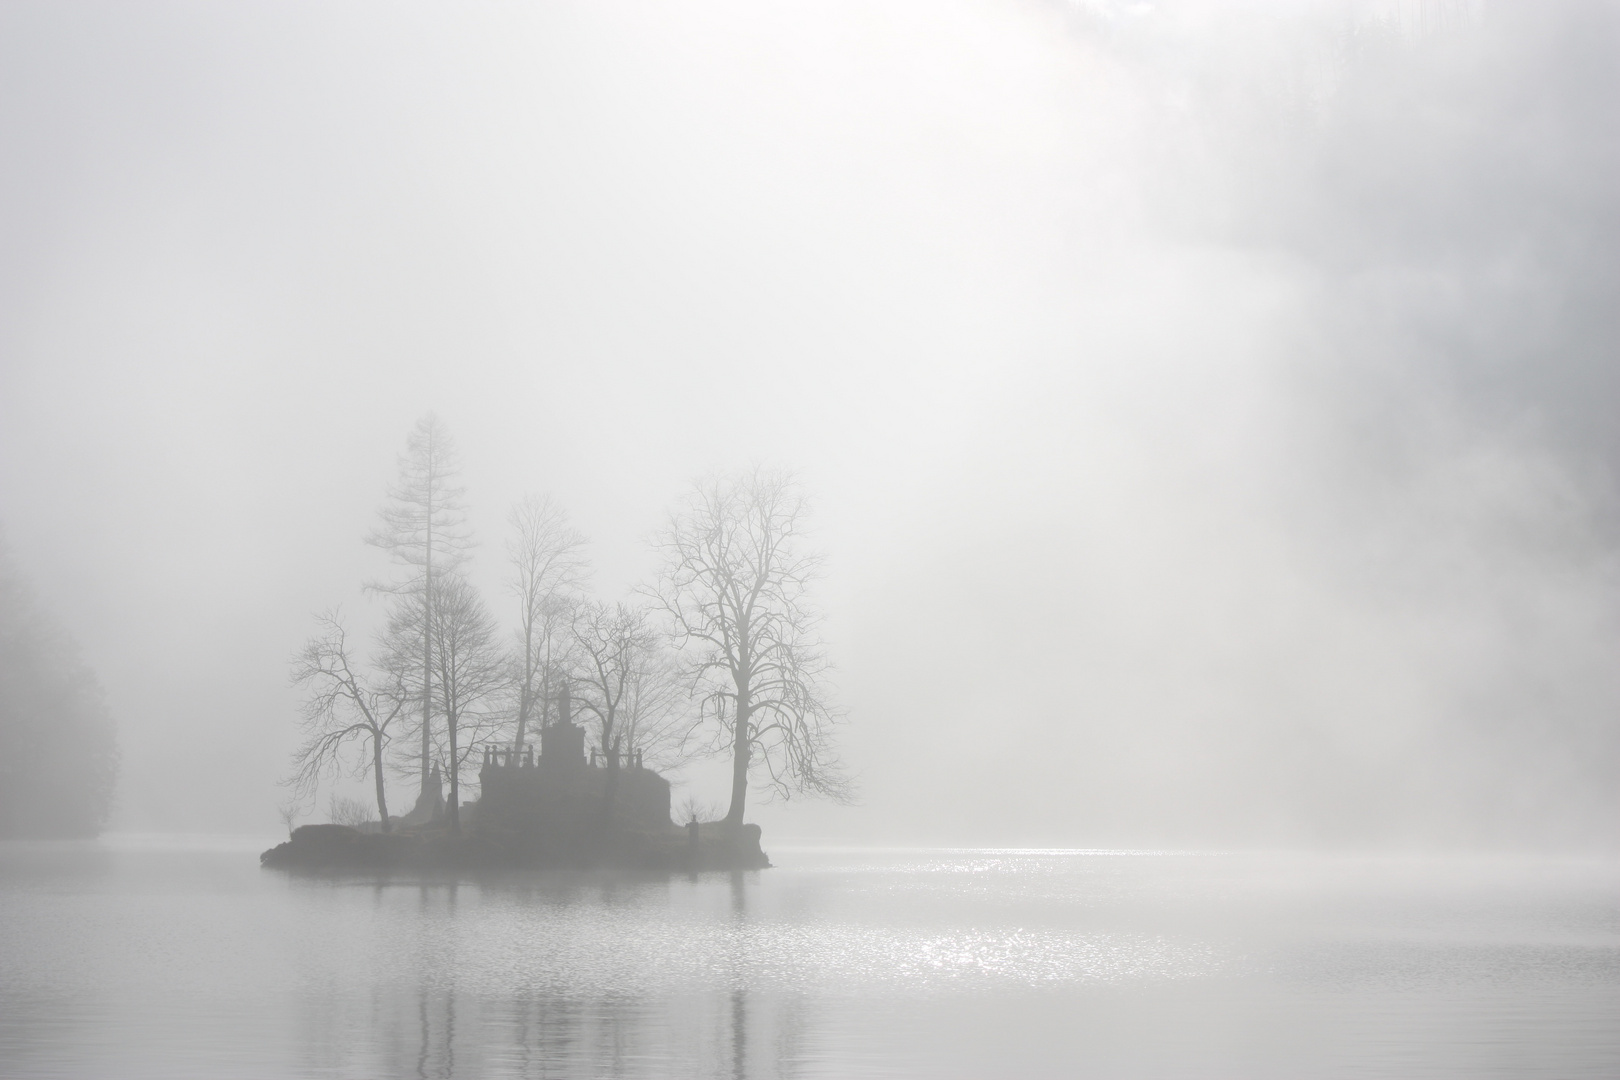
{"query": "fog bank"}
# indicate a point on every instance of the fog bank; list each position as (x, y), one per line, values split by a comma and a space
(1208, 406)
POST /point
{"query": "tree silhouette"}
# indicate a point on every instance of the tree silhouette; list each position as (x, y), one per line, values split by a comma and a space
(424, 527)
(58, 760)
(734, 584)
(547, 564)
(344, 706)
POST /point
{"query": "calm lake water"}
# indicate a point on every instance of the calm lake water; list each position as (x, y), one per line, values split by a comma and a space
(145, 959)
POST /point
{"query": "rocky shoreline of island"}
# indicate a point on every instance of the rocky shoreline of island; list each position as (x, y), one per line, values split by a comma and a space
(344, 849)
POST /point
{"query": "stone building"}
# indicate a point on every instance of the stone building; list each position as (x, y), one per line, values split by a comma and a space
(565, 791)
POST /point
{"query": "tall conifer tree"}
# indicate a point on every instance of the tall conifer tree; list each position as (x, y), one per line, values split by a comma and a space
(424, 527)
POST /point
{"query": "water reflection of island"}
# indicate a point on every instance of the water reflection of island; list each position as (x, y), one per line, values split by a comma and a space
(445, 1021)
(560, 809)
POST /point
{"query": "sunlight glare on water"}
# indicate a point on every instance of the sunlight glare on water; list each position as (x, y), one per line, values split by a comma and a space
(140, 958)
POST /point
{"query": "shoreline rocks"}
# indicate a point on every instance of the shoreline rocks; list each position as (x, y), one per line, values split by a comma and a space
(340, 849)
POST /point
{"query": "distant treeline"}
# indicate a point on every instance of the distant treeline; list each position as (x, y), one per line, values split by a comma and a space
(58, 758)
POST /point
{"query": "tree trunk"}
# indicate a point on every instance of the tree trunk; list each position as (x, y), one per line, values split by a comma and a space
(454, 810)
(427, 640)
(611, 789)
(740, 748)
(427, 673)
(523, 718)
(526, 696)
(377, 771)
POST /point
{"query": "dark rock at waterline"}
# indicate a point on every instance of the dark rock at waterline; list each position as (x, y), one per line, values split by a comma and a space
(339, 848)
(718, 847)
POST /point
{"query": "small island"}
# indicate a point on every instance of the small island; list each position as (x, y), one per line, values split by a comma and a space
(559, 713)
(554, 810)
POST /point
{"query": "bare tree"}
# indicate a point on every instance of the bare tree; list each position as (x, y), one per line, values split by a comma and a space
(734, 584)
(424, 527)
(342, 810)
(694, 809)
(548, 563)
(469, 671)
(343, 707)
(289, 813)
(655, 713)
(612, 640)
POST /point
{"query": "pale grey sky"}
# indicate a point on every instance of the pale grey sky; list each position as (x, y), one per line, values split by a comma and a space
(1208, 407)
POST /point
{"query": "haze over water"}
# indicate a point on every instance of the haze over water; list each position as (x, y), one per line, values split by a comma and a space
(134, 960)
(1207, 408)
(1208, 412)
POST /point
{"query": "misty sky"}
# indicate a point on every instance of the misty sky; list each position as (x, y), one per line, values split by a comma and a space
(1209, 407)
